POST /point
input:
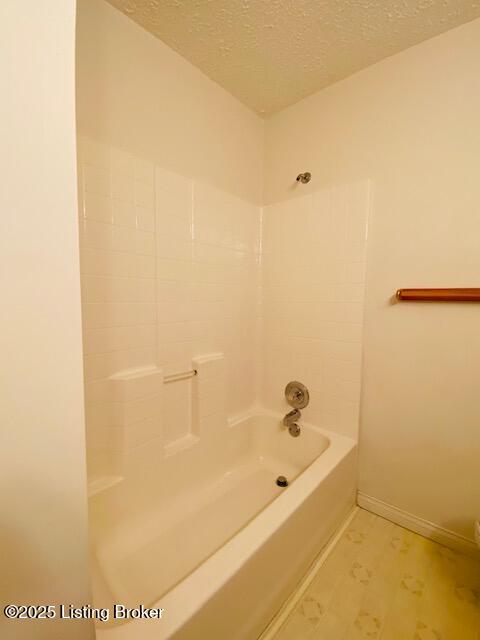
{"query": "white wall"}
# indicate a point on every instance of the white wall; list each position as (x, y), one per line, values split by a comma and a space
(136, 93)
(410, 123)
(42, 469)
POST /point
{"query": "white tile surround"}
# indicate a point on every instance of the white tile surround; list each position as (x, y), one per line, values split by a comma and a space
(178, 275)
(313, 277)
(170, 272)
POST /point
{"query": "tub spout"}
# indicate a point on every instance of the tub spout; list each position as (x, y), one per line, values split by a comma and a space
(291, 417)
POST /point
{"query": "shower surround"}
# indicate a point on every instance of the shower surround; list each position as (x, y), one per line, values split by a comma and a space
(177, 277)
(313, 287)
(176, 274)
(170, 273)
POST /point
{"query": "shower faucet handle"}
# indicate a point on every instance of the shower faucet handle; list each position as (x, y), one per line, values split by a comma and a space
(297, 395)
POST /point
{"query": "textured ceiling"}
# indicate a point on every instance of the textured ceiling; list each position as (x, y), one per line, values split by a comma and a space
(272, 53)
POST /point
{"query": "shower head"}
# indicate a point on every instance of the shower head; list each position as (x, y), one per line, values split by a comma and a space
(304, 177)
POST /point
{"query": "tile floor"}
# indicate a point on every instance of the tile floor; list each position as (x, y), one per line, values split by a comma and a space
(383, 582)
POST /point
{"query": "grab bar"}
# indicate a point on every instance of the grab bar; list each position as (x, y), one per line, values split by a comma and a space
(174, 377)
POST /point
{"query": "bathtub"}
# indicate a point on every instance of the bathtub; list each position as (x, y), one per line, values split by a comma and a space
(223, 552)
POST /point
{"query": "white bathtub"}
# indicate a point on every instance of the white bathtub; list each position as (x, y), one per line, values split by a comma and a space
(221, 554)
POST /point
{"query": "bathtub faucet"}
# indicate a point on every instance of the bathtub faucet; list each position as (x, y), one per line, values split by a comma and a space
(291, 417)
(290, 421)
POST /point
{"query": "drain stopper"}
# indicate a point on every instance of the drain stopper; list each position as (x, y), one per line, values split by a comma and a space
(282, 481)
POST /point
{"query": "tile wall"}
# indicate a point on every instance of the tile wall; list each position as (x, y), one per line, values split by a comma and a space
(118, 278)
(208, 246)
(170, 272)
(313, 277)
(173, 270)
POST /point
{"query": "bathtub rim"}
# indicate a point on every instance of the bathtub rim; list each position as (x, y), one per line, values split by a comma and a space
(185, 599)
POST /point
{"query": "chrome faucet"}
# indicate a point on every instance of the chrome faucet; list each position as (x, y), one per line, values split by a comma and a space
(297, 396)
(291, 417)
(290, 421)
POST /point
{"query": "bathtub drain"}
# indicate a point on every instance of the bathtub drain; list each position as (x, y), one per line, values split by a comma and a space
(282, 481)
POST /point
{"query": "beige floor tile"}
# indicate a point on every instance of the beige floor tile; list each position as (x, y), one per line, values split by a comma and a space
(382, 582)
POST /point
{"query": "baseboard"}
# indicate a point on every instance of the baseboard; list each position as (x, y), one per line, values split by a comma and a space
(418, 525)
(289, 605)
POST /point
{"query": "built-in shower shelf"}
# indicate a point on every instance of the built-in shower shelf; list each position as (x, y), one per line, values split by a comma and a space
(102, 484)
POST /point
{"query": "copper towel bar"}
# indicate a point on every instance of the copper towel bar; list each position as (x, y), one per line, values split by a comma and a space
(439, 295)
